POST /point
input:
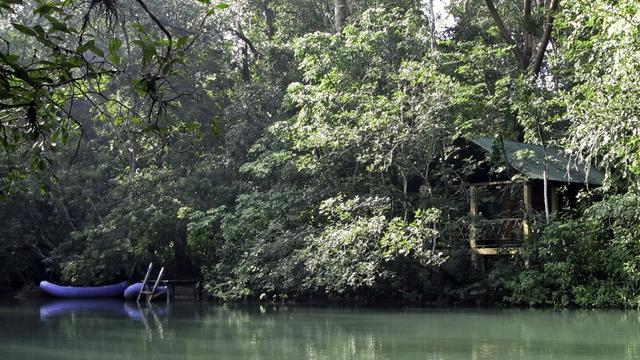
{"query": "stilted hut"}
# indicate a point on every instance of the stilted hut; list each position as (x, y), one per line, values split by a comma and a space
(509, 190)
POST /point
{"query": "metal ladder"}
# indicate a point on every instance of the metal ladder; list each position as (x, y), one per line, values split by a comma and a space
(150, 294)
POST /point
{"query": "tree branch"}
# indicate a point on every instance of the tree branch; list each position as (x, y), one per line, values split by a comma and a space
(527, 46)
(544, 41)
(157, 21)
(504, 32)
(246, 40)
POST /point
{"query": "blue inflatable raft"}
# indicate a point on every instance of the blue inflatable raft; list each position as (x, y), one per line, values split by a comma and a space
(74, 292)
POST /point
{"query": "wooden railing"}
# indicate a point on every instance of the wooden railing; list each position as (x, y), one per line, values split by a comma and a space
(497, 232)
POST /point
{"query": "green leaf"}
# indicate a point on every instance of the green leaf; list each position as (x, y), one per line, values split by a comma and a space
(139, 27)
(114, 59)
(59, 26)
(25, 29)
(84, 47)
(152, 127)
(166, 68)
(96, 50)
(191, 126)
(37, 163)
(219, 6)
(44, 9)
(90, 46)
(39, 30)
(148, 50)
(11, 58)
(115, 44)
(182, 40)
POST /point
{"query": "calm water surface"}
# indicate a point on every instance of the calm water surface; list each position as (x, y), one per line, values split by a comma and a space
(114, 330)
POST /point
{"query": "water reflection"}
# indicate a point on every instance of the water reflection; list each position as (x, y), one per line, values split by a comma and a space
(68, 316)
(141, 312)
(89, 306)
(102, 307)
(150, 315)
(114, 329)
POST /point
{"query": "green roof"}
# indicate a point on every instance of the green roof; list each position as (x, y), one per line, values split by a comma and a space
(527, 159)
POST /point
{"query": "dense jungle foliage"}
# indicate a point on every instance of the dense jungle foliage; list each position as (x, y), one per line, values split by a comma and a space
(310, 149)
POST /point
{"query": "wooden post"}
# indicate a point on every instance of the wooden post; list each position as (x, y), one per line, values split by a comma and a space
(473, 200)
(527, 197)
(528, 208)
(473, 210)
(545, 182)
(554, 201)
(528, 212)
(476, 258)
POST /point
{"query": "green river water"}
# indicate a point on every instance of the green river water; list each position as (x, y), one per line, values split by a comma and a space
(114, 330)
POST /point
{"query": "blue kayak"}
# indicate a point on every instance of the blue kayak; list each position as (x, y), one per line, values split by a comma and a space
(132, 291)
(74, 292)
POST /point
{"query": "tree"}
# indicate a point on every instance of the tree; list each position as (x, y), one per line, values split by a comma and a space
(602, 106)
(56, 57)
(528, 53)
(340, 14)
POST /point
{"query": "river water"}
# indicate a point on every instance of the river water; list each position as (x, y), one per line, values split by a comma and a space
(111, 329)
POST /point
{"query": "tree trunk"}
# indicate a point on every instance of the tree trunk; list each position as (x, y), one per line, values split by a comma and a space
(529, 36)
(246, 73)
(432, 25)
(545, 172)
(131, 153)
(269, 17)
(340, 14)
